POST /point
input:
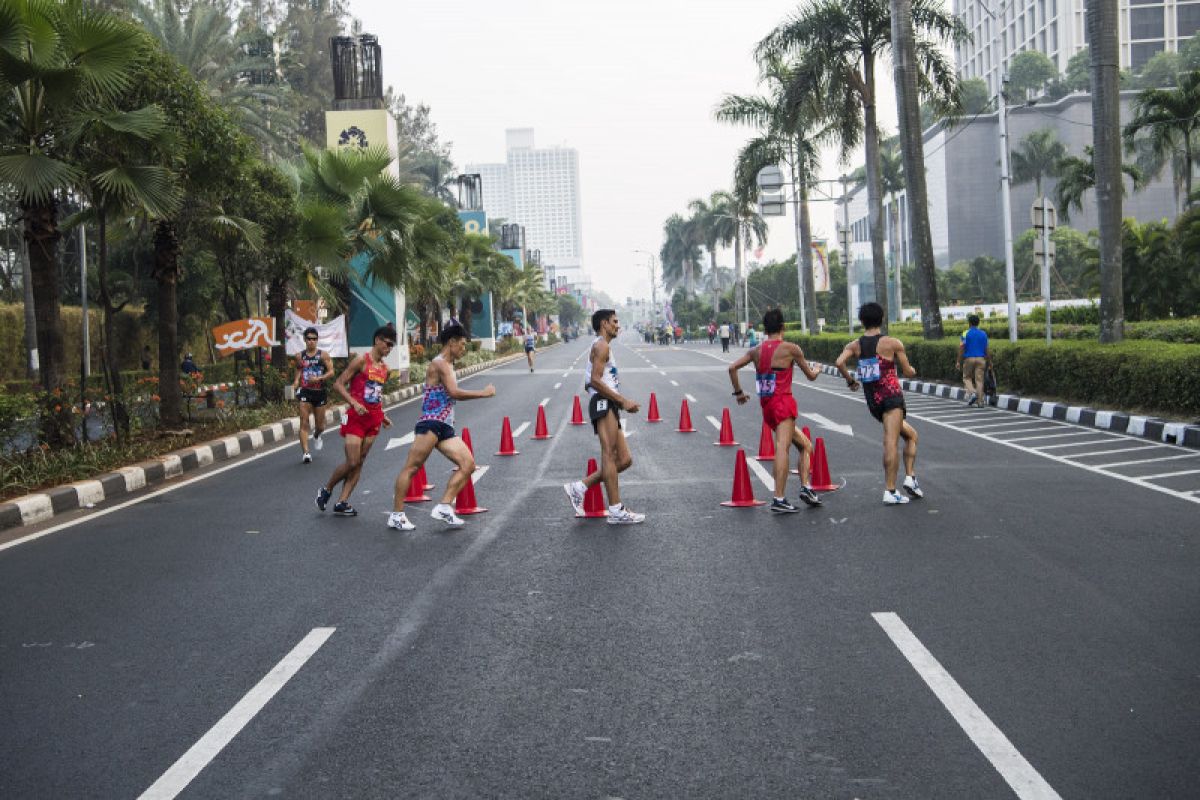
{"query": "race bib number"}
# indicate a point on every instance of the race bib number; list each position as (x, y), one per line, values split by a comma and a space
(765, 382)
(868, 370)
(372, 393)
(602, 405)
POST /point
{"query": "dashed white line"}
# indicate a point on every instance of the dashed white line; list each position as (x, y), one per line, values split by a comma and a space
(766, 478)
(544, 401)
(1051, 436)
(524, 426)
(1140, 460)
(557, 385)
(1170, 474)
(1141, 448)
(660, 372)
(1037, 448)
(191, 763)
(674, 383)
(690, 398)
(1018, 773)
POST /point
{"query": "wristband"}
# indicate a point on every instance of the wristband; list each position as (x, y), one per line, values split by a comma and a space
(738, 392)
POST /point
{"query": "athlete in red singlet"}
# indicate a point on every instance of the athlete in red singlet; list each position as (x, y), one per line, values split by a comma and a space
(773, 360)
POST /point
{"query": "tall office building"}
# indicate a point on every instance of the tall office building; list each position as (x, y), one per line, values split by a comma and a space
(1058, 29)
(539, 188)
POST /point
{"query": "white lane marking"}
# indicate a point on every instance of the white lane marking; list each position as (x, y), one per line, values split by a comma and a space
(544, 401)
(1018, 773)
(566, 374)
(690, 399)
(520, 429)
(1037, 448)
(959, 414)
(191, 763)
(557, 385)
(479, 473)
(1170, 474)
(766, 478)
(674, 383)
(825, 422)
(1051, 436)
(1142, 448)
(714, 422)
(660, 372)
(400, 441)
(1140, 460)
(1043, 425)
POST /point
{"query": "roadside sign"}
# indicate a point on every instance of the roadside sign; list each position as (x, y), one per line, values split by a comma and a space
(769, 179)
(1040, 204)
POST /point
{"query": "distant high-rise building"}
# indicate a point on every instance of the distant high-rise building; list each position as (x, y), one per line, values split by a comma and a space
(538, 188)
(1058, 29)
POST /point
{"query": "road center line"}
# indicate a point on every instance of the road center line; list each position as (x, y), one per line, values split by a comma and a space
(674, 383)
(558, 385)
(1018, 773)
(191, 763)
(520, 429)
(691, 399)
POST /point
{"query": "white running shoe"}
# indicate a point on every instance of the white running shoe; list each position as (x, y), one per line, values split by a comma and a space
(575, 492)
(399, 521)
(446, 514)
(893, 498)
(306, 458)
(624, 516)
(912, 487)
(317, 443)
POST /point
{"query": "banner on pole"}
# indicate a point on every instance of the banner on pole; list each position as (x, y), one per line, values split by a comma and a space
(331, 336)
(244, 334)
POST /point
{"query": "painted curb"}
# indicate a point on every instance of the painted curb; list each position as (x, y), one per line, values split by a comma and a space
(1152, 428)
(41, 506)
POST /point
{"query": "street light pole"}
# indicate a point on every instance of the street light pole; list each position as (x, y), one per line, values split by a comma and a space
(1005, 177)
(845, 179)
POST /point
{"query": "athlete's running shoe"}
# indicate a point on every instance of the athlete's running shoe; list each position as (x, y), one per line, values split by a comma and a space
(809, 496)
(323, 496)
(912, 487)
(783, 506)
(317, 443)
(893, 498)
(444, 513)
(399, 521)
(306, 458)
(344, 509)
(575, 492)
(623, 516)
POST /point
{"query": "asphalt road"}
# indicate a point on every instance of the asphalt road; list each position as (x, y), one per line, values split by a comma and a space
(1028, 629)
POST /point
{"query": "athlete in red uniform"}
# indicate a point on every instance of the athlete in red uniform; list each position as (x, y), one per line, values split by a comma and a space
(367, 374)
(773, 360)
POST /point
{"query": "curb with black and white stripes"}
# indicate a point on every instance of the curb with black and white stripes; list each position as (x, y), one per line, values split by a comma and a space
(1152, 428)
(39, 507)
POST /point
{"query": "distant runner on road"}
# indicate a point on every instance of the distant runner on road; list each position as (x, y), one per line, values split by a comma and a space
(366, 374)
(604, 388)
(773, 361)
(313, 368)
(435, 428)
(877, 356)
(530, 347)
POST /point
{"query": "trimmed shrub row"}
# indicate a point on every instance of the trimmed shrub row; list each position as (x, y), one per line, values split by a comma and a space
(1155, 377)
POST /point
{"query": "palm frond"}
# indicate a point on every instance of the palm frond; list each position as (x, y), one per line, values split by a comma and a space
(36, 177)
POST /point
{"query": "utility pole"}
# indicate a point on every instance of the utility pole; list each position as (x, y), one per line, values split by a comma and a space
(86, 367)
(1106, 138)
(1010, 280)
(845, 242)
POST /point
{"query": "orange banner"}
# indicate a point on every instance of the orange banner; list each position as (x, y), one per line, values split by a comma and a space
(244, 334)
(306, 309)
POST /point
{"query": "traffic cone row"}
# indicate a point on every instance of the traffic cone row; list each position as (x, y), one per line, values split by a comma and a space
(464, 501)
(743, 494)
(685, 419)
(652, 415)
(507, 448)
(593, 498)
(726, 437)
(766, 444)
(417, 487)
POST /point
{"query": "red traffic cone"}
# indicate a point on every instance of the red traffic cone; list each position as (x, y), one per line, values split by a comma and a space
(766, 444)
(466, 437)
(652, 415)
(593, 499)
(726, 439)
(506, 440)
(685, 419)
(465, 503)
(577, 413)
(416, 488)
(821, 481)
(540, 432)
(743, 494)
(422, 479)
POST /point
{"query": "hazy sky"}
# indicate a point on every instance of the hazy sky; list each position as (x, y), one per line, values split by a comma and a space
(631, 85)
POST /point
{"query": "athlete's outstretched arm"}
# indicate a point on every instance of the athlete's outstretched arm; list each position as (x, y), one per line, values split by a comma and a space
(902, 360)
(848, 352)
(751, 357)
(450, 381)
(355, 365)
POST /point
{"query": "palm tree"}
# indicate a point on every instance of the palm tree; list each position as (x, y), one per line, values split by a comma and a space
(736, 220)
(678, 253)
(1169, 122)
(1039, 156)
(705, 217)
(60, 61)
(1078, 175)
(838, 42)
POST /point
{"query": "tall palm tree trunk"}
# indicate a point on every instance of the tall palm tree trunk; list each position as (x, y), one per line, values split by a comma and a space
(42, 235)
(166, 274)
(874, 193)
(738, 306)
(1106, 136)
(810, 287)
(111, 362)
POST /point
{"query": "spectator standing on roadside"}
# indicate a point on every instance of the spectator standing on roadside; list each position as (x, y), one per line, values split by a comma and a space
(974, 358)
(188, 366)
(146, 358)
(724, 334)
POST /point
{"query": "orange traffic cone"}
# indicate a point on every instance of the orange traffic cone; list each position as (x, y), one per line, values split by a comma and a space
(743, 494)
(422, 479)
(766, 444)
(685, 419)
(577, 413)
(726, 439)
(465, 503)
(540, 431)
(652, 415)
(507, 448)
(416, 488)
(593, 499)
(466, 437)
(821, 481)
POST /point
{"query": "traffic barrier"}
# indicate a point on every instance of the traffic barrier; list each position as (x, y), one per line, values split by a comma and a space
(593, 499)
(726, 437)
(821, 481)
(685, 419)
(652, 415)
(743, 494)
(766, 444)
(541, 432)
(577, 413)
(507, 448)
(416, 488)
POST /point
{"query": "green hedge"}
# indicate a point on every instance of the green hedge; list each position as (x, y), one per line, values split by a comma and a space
(1152, 377)
(1185, 331)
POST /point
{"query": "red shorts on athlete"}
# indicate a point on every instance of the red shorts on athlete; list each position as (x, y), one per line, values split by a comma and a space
(364, 426)
(777, 408)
